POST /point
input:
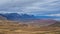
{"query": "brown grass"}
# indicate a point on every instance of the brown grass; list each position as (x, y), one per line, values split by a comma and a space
(12, 27)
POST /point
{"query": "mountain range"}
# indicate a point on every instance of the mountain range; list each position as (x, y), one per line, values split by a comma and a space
(29, 19)
(16, 16)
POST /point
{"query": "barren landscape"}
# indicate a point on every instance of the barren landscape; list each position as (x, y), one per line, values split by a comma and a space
(14, 27)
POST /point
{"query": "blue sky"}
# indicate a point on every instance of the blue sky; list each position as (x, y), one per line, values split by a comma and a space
(36, 7)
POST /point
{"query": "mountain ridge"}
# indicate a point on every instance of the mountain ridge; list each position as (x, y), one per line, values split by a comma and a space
(29, 19)
(15, 16)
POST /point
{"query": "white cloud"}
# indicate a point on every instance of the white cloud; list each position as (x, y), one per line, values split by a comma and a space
(30, 6)
(36, 7)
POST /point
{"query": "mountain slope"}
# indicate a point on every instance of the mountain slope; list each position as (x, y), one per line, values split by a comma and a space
(57, 24)
(2, 17)
(42, 22)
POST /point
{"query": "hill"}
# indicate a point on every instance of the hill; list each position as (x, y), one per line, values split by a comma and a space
(2, 17)
(57, 24)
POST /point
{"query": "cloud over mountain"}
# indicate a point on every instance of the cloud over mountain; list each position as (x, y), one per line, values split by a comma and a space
(36, 7)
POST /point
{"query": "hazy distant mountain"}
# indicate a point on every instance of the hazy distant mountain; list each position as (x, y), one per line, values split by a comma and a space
(16, 16)
(29, 19)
